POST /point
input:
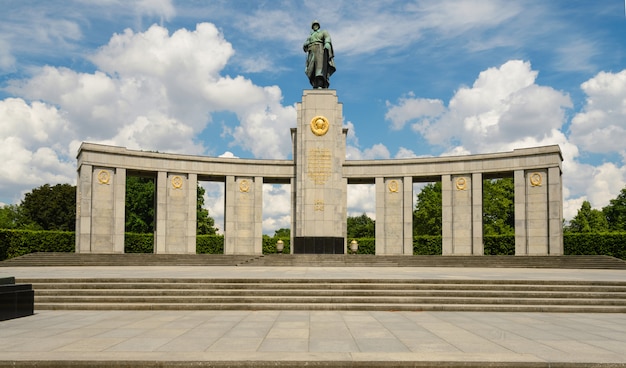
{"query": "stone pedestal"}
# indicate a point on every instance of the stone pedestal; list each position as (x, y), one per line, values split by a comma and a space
(319, 208)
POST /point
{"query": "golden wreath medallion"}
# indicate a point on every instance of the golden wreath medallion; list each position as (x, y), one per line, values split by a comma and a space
(177, 182)
(244, 186)
(319, 125)
(535, 179)
(104, 177)
(461, 184)
(393, 186)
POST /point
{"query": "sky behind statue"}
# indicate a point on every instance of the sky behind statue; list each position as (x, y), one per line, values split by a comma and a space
(220, 78)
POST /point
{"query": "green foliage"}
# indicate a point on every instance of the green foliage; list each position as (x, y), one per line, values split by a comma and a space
(139, 204)
(615, 212)
(210, 244)
(499, 245)
(138, 243)
(427, 245)
(10, 216)
(15, 243)
(205, 223)
(51, 208)
(587, 220)
(608, 244)
(282, 233)
(269, 244)
(361, 227)
(427, 214)
(366, 245)
(498, 206)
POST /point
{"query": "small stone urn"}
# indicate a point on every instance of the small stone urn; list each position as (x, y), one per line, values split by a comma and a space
(354, 246)
(279, 246)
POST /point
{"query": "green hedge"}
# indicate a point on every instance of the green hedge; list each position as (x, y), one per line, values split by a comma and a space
(15, 243)
(499, 245)
(210, 244)
(138, 243)
(269, 245)
(607, 244)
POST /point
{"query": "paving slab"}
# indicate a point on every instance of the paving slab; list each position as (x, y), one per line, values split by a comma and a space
(314, 338)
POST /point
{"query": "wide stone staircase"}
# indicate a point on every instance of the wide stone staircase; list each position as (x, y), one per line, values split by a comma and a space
(311, 260)
(113, 293)
(328, 294)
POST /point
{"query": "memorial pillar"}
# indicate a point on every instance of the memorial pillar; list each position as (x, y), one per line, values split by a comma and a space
(478, 247)
(100, 209)
(394, 232)
(243, 217)
(458, 221)
(555, 211)
(176, 213)
(320, 207)
(538, 212)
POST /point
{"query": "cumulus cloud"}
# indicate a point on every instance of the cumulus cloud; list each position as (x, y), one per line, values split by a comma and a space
(152, 90)
(505, 109)
(33, 146)
(600, 126)
(156, 91)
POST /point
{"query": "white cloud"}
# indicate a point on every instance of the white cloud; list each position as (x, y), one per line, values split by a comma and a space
(34, 147)
(503, 108)
(410, 107)
(276, 207)
(361, 199)
(600, 126)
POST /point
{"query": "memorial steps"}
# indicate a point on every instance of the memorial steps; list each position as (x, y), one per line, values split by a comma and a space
(312, 260)
(329, 294)
(324, 294)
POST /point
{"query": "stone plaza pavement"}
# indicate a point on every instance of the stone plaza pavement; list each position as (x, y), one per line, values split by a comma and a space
(315, 338)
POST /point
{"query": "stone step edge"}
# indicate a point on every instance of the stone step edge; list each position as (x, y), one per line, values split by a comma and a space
(343, 307)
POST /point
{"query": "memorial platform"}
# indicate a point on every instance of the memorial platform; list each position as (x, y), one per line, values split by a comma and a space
(314, 338)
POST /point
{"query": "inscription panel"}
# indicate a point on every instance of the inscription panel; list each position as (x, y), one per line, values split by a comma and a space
(319, 165)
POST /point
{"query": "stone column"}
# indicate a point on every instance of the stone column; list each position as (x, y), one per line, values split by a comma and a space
(393, 236)
(320, 206)
(101, 206)
(243, 231)
(176, 213)
(532, 208)
(555, 211)
(447, 247)
(519, 182)
(478, 247)
(83, 209)
(457, 215)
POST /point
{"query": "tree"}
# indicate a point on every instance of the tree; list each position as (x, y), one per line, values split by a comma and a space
(361, 227)
(10, 216)
(498, 206)
(587, 220)
(615, 212)
(51, 208)
(282, 233)
(205, 223)
(139, 204)
(427, 214)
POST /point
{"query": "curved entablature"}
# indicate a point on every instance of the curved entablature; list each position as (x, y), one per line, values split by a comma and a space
(355, 171)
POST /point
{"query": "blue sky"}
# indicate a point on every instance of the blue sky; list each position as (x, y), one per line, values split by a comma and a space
(416, 78)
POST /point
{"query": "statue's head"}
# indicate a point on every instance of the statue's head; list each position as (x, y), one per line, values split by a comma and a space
(315, 23)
